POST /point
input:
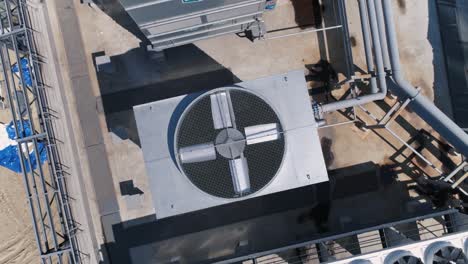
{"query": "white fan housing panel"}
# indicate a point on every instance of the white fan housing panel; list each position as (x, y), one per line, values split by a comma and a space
(424, 250)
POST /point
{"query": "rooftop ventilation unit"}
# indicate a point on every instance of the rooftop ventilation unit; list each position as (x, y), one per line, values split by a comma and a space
(220, 134)
(230, 144)
(444, 249)
(402, 257)
(444, 252)
(170, 23)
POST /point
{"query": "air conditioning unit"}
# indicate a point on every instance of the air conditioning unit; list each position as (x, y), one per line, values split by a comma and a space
(230, 144)
(402, 257)
(450, 248)
(444, 252)
(171, 23)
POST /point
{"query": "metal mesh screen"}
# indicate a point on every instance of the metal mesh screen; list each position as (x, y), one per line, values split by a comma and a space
(263, 159)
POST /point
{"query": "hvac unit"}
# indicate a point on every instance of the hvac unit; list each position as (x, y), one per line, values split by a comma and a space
(444, 252)
(402, 257)
(445, 249)
(230, 144)
(170, 23)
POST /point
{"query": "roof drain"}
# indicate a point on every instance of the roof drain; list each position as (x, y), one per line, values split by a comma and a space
(368, 18)
(420, 104)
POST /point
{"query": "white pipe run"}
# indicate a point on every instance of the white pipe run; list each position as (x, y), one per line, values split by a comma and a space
(389, 47)
(420, 104)
(380, 69)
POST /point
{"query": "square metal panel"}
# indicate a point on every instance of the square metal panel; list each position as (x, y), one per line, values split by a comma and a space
(303, 163)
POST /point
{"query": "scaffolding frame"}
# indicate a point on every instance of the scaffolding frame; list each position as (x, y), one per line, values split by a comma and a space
(45, 185)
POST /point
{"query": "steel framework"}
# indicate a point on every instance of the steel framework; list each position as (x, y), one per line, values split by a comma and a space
(367, 240)
(45, 185)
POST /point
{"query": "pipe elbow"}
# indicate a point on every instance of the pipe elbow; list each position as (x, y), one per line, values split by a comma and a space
(405, 86)
(381, 96)
(382, 77)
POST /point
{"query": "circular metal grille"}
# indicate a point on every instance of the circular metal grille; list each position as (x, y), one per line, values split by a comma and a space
(196, 126)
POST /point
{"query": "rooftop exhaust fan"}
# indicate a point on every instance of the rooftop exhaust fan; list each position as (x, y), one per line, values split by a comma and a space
(402, 257)
(229, 144)
(444, 252)
(238, 128)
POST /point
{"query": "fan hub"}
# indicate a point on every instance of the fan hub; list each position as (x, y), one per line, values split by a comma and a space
(230, 143)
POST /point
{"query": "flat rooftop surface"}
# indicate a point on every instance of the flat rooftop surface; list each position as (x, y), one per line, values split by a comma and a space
(107, 150)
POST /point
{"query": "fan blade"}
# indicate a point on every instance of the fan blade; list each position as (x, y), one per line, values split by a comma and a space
(445, 252)
(240, 175)
(455, 253)
(438, 259)
(261, 133)
(220, 110)
(197, 153)
(413, 260)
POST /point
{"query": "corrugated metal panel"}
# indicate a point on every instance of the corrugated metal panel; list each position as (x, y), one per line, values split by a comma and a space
(168, 23)
(168, 9)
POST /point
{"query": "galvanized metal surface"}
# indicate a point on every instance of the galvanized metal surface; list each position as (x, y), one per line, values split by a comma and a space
(303, 163)
(170, 23)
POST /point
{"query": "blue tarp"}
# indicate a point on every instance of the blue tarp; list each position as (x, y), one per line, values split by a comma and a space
(9, 156)
(270, 4)
(25, 69)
